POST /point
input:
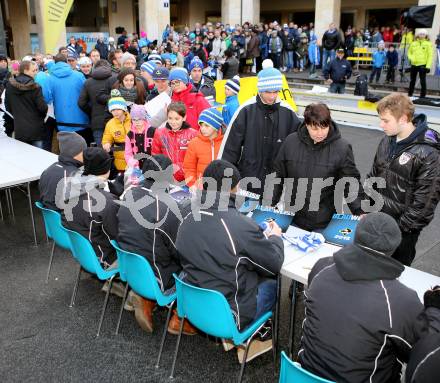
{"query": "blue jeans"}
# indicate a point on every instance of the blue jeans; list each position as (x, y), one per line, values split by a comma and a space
(327, 55)
(289, 55)
(97, 136)
(337, 88)
(266, 297)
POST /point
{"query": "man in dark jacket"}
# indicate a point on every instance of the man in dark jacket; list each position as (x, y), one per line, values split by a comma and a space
(316, 152)
(337, 73)
(360, 320)
(407, 159)
(70, 159)
(24, 100)
(4, 72)
(223, 250)
(153, 235)
(424, 362)
(95, 95)
(90, 209)
(230, 66)
(331, 40)
(102, 48)
(254, 138)
(201, 83)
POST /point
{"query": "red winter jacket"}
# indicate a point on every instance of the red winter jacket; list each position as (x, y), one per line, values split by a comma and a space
(173, 145)
(195, 104)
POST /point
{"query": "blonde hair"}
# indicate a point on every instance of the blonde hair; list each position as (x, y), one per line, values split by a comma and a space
(398, 105)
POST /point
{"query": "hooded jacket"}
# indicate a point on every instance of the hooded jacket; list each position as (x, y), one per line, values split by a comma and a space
(59, 171)
(420, 53)
(131, 147)
(92, 212)
(24, 100)
(360, 320)
(174, 145)
(65, 87)
(255, 135)
(201, 152)
(95, 94)
(411, 171)
(195, 103)
(114, 134)
(339, 70)
(300, 158)
(231, 254)
(229, 109)
(156, 241)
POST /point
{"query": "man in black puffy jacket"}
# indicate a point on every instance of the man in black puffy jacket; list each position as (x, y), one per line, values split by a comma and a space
(95, 95)
(408, 160)
(331, 40)
(254, 137)
(361, 322)
(24, 100)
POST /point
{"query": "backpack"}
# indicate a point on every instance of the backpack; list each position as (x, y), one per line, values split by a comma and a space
(361, 86)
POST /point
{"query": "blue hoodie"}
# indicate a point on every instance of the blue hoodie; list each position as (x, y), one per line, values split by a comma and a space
(229, 108)
(65, 86)
(379, 58)
(314, 52)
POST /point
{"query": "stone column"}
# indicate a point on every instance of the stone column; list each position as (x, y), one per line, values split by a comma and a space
(326, 12)
(231, 12)
(154, 15)
(435, 30)
(360, 18)
(251, 11)
(120, 14)
(20, 24)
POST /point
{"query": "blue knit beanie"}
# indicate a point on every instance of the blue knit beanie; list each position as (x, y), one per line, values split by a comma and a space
(269, 80)
(148, 67)
(179, 74)
(211, 117)
(195, 63)
(155, 57)
(233, 84)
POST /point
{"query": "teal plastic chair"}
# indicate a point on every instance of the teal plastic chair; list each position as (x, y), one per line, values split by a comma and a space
(55, 231)
(137, 272)
(84, 253)
(209, 311)
(293, 372)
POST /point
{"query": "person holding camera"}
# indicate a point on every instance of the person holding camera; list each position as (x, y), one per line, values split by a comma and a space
(420, 57)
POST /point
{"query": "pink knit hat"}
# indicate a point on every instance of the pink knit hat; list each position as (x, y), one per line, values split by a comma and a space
(138, 112)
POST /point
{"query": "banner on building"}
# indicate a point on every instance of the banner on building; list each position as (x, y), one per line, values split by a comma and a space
(248, 89)
(88, 40)
(54, 19)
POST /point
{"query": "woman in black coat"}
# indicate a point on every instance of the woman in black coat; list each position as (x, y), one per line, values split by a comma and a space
(310, 163)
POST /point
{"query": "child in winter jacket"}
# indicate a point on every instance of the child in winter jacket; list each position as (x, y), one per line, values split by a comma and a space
(232, 87)
(116, 130)
(392, 60)
(139, 139)
(314, 56)
(379, 58)
(172, 139)
(204, 148)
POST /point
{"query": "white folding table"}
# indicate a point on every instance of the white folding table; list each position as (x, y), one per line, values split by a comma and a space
(298, 271)
(20, 165)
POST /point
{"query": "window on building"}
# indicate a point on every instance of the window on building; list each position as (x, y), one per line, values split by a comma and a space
(88, 14)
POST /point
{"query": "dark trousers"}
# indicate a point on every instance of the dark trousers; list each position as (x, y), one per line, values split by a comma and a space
(259, 63)
(87, 135)
(421, 70)
(49, 127)
(375, 72)
(391, 74)
(276, 59)
(406, 251)
(337, 87)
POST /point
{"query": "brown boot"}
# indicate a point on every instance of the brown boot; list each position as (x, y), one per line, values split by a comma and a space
(174, 326)
(143, 312)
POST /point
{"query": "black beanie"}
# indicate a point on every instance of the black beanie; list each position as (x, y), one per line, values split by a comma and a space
(96, 161)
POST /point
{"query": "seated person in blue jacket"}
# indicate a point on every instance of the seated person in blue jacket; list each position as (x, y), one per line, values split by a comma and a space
(223, 250)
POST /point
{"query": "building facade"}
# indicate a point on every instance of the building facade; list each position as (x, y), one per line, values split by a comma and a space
(23, 26)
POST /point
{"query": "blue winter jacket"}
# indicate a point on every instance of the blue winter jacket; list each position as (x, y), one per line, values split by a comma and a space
(229, 108)
(314, 56)
(379, 58)
(65, 87)
(392, 58)
(42, 79)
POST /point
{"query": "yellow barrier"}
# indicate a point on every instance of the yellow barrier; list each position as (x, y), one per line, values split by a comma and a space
(367, 105)
(248, 89)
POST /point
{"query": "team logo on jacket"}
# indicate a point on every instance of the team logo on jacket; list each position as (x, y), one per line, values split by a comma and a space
(404, 158)
(345, 231)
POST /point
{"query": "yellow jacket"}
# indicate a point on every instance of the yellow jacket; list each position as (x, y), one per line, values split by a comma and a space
(114, 134)
(420, 53)
(407, 39)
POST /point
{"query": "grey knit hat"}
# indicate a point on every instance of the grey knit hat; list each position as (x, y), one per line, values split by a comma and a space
(71, 144)
(378, 232)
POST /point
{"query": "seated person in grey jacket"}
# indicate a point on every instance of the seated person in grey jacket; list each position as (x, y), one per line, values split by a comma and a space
(360, 322)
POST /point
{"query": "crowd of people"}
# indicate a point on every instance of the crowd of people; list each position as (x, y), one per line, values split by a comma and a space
(114, 152)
